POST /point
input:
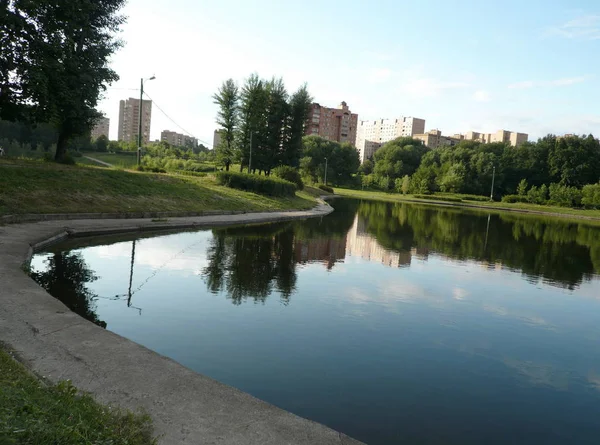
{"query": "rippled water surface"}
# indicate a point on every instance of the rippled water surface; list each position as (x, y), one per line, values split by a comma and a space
(393, 323)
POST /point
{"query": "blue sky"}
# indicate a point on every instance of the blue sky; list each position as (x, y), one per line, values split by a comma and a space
(528, 66)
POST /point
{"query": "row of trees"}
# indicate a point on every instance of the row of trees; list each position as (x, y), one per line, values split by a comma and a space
(405, 164)
(261, 118)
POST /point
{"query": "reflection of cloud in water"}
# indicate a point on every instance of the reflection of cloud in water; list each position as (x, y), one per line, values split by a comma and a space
(539, 373)
(533, 320)
(594, 379)
(159, 253)
(459, 293)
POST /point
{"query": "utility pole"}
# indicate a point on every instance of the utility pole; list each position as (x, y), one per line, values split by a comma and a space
(493, 180)
(250, 160)
(139, 152)
(325, 171)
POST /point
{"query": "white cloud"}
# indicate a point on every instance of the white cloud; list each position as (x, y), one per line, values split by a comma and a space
(459, 293)
(585, 27)
(548, 83)
(481, 96)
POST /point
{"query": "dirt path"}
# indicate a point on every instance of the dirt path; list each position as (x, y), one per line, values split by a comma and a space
(106, 164)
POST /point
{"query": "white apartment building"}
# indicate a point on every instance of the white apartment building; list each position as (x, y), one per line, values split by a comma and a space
(129, 116)
(371, 135)
(178, 140)
(101, 128)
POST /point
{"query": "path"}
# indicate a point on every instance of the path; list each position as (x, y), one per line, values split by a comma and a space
(106, 164)
(186, 407)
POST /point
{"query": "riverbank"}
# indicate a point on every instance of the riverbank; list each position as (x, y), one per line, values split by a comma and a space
(36, 413)
(37, 187)
(185, 407)
(561, 212)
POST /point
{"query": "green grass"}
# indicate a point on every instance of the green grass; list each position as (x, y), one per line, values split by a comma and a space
(44, 187)
(38, 414)
(116, 159)
(465, 201)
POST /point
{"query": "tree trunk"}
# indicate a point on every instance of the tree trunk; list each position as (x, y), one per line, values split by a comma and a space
(61, 146)
(227, 167)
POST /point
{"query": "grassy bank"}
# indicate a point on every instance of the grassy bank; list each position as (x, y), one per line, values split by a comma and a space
(40, 187)
(34, 413)
(496, 206)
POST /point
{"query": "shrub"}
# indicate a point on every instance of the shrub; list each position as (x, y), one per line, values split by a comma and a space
(522, 187)
(591, 196)
(514, 198)
(478, 198)
(439, 198)
(564, 196)
(257, 184)
(325, 188)
(289, 174)
(537, 195)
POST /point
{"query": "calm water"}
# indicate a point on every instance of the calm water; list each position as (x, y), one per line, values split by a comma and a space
(393, 323)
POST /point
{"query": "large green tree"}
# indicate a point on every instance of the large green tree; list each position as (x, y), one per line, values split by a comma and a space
(299, 110)
(54, 62)
(227, 98)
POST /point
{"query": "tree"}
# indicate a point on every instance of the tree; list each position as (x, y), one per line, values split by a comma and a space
(366, 168)
(227, 117)
(405, 184)
(299, 110)
(58, 67)
(342, 159)
(277, 116)
(101, 143)
(253, 120)
(399, 157)
(522, 188)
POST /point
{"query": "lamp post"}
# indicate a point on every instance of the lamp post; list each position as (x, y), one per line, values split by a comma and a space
(325, 171)
(139, 152)
(493, 180)
(250, 159)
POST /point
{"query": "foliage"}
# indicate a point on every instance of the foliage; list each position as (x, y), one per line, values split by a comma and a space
(228, 116)
(522, 187)
(289, 174)
(538, 195)
(255, 183)
(366, 168)
(405, 187)
(326, 188)
(564, 196)
(54, 59)
(591, 196)
(35, 413)
(399, 157)
(342, 160)
(515, 198)
(101, 143)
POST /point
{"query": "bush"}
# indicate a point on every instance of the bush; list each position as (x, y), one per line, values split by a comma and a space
(257, 184)
(439, 198)
(478, 198)
(564, 196)
(289, 174)
(591, 196)
(537, 195)
(325, 188)
(514, 198)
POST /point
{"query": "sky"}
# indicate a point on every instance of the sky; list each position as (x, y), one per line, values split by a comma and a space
(530, 66)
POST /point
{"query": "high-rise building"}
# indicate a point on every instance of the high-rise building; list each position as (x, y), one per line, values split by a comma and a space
(101, 128)
(129, 115)
(371, 135)
(510, 137)
(335, 124)
(178, 139)
(217, 139)
(434, 139)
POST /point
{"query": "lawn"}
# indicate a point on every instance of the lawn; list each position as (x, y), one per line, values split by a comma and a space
(32, 412)
(45, 187)
(450, 199)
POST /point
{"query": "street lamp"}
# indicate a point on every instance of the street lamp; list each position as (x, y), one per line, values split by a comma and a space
(325, 171)
(139, 153)
(493, 179)
(250, 159)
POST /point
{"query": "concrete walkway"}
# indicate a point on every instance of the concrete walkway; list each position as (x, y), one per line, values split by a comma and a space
(106, 164)
(186, 407)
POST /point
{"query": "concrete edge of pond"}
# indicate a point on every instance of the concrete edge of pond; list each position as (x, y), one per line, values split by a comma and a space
(186, 407)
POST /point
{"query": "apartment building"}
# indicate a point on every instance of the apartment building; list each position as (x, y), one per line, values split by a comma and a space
(129, 115)
(178, 139)
(101, 128)
(505, 136)
(434, 139)
(371, 135)
(217, 139)
(335, 124)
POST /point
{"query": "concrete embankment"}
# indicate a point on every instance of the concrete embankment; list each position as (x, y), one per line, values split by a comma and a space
(185, 407)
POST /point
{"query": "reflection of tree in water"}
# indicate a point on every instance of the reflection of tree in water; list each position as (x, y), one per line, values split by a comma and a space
(253, 261)
(65, 278)
(559, 251)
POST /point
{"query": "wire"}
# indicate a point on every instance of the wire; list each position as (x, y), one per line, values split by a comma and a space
(171, 119)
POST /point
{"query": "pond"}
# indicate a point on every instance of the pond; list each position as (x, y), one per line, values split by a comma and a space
(393, 323)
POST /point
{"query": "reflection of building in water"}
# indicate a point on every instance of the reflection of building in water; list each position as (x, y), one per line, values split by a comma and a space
(360, 243)
(323, 249)
(421, 253)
